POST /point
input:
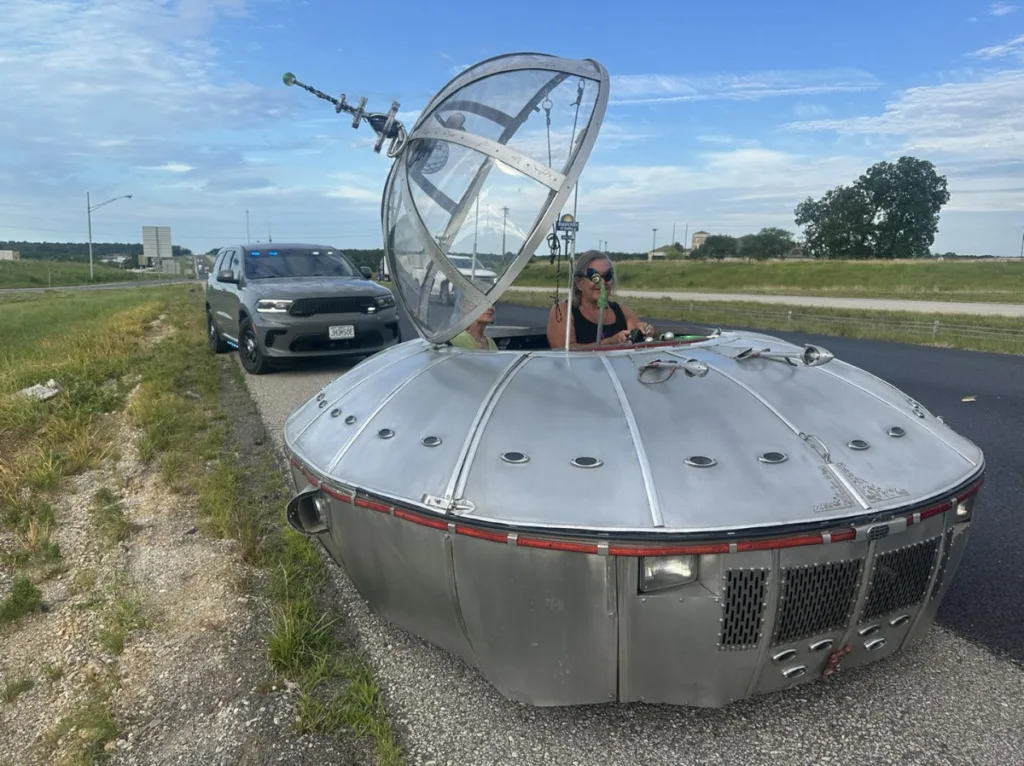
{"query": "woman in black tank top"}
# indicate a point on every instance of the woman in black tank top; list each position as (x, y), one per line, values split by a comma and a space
(592, 268)
(586, 331)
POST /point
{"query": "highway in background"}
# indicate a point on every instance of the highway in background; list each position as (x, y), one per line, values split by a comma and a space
(956, 698)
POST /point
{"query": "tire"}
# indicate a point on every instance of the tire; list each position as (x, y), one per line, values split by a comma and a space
(249, 351)
(217, 344)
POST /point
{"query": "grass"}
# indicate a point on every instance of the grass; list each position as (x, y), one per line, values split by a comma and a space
(981, 281)
(101, 349)
(42, 273)
(968, 332)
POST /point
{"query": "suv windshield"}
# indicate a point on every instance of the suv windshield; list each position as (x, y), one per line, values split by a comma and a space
(275, 263)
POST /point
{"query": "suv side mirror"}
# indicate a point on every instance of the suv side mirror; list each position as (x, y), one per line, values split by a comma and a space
(227, 276)
(365, 271)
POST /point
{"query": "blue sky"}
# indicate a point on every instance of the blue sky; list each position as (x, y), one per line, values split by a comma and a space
(723, 116)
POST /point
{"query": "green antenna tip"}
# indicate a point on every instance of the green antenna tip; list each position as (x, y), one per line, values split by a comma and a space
(289, 78)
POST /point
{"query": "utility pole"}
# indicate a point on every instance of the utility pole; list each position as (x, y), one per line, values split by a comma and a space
(248, 237)
(89, 207)
(654, 240)
(673, 233)
(504, 217)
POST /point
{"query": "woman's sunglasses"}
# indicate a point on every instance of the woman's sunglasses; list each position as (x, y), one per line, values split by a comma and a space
(606, 276)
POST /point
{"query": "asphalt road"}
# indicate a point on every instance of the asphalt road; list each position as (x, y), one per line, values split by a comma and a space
(956, 698)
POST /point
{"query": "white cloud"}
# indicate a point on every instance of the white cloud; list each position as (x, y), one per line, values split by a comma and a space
(1012, 49)
(659, 88)
(175, 167)
(1001, 9)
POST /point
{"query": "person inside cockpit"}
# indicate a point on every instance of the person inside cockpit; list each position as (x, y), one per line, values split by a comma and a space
(592, 269)
(473, 336)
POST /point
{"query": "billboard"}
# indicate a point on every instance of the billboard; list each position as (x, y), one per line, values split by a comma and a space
(156, 244)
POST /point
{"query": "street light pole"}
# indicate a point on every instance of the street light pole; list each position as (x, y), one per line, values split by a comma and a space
(654, 240)
(89, 207)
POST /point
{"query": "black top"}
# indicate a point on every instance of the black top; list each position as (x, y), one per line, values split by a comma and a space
(586, 331)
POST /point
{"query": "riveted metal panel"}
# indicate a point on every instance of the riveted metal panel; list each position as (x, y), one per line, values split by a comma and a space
(954, 544)
(403, 570)
(673, 654)
(404, 466)
(542, 623)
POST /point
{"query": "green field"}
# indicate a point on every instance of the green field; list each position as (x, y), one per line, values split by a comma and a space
(32, 273)
(981, 281)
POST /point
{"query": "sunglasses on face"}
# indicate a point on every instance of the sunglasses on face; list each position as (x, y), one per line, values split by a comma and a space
(606, 276)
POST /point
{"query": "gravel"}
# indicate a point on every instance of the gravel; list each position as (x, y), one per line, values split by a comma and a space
(944, 701)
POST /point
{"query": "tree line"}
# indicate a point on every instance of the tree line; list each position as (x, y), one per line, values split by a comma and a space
(79, 251)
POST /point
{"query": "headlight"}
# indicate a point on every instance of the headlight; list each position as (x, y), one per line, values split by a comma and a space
(273, 306)
(663, 572)
(385, 301)
(965, 507)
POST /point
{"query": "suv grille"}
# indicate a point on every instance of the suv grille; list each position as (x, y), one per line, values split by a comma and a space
(305, 307)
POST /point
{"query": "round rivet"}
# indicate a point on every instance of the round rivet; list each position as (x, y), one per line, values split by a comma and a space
(773, 457)
(350, 419)
(701, 461)
(430, 441)
(335, 412)
(858, 444)
(897, 431)
(514, 457)
(385, 433)
(586, 462)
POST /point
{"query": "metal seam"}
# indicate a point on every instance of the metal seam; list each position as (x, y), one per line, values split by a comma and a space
(369, 419)
(479, 422)
(467, 464)
(355, 386)
(861, 500)
(638, 446)
(891, 405)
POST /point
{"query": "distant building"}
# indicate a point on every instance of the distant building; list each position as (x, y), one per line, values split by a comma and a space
(661, 252)
(698, 239)
(10, 255)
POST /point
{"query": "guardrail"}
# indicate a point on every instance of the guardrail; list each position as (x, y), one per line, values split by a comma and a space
(935, 331)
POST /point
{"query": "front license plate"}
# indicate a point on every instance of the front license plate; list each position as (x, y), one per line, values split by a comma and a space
(340, 332)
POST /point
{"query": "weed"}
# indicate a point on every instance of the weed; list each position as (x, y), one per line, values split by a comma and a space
(108, 516)
(14, 687)
(23, 598)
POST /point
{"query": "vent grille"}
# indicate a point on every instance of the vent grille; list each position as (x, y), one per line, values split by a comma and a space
(305, 307)
(743, 608)
(900, 578)
(816, 599)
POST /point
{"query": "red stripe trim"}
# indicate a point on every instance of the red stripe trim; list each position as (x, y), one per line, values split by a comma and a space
(935, 510)
(483, 534)
(362, 502)
(415, 518)
(556, 545)
(335, 493)
(843, 536)
(667, 550)
(785, 542)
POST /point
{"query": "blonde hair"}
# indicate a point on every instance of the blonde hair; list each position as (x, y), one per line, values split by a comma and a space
(580, 272)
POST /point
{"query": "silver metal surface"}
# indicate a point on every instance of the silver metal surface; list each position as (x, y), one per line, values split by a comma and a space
(500, 504)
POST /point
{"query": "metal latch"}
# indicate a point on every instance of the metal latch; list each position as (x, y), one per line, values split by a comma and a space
(449, 505)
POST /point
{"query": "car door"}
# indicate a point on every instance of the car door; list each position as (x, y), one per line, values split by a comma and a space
(232, 299)
(215, 295)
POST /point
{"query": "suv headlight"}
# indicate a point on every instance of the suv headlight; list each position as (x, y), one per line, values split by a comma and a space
(269, 306)
(385, 301)
(663, 572)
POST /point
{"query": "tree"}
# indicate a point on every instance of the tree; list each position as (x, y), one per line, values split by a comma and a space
(891, 211)
(770, 242)
(717, 246)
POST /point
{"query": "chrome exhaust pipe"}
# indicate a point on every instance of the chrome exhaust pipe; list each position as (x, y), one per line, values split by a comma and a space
(307, 512)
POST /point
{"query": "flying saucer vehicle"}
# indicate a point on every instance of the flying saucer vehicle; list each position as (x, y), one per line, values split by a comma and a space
(682, 520)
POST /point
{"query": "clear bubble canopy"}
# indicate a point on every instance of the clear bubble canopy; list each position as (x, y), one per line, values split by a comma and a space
(485, 171)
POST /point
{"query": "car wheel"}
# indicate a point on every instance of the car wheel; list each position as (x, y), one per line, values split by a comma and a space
(249, 351)
(217, 344)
